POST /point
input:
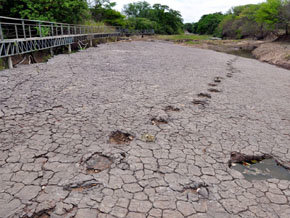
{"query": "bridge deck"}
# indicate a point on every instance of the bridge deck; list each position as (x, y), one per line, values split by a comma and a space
(56, 37)
(20, 36)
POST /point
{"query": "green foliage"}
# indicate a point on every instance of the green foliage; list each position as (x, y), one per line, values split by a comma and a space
(2, 2)
(138, 9)
(2, 64)
(240, 22)
(183, 37)
(256, 20)
(67, 11)
(208, 23)
(275, 14)
(43, 31)
(104, 4)
(189, 27)
(103, 12)
(140, 24)
(163, 19)
(268, 12)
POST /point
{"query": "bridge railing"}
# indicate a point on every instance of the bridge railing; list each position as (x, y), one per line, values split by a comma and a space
(21, 36)
(14, 28)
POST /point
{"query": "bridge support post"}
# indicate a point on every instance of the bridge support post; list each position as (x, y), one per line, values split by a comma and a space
(10, 63)
(51, 52)
(69, 48)
(91, 43)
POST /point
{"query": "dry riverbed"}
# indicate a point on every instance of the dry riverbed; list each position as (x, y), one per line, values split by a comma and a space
(144, 129)
(277, 53)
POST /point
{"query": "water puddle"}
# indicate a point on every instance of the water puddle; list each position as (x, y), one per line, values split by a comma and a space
(258, 167)
(266, 169)
(242, 53)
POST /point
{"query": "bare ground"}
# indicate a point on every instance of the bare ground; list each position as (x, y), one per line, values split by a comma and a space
(272, 52)
(131, 129)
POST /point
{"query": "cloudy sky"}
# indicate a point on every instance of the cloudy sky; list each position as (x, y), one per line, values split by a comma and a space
(192, 10)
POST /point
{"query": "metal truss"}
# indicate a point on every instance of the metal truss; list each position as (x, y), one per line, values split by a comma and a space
(20, 36)
(11, 48)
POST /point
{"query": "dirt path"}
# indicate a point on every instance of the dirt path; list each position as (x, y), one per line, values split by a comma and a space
(142, 129)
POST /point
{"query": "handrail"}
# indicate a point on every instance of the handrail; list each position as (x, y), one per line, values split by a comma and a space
(21, 36)
(42, 21)
(24, 28)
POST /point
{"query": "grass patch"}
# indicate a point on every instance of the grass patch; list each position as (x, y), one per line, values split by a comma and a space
(183, 37)
(193, 42)
(2, 64)
(93, 23)
(287, 57)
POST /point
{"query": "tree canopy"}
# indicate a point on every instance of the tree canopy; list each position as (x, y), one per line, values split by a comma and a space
(103, 12)
(67, 11)
(164, 19)
(252, 20)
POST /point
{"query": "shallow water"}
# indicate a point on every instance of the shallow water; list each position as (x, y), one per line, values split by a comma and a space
(242, 53)
(266, 169)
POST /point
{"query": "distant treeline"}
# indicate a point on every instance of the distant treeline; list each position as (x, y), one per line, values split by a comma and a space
(247, 21)
(140, 15)
(253, 20)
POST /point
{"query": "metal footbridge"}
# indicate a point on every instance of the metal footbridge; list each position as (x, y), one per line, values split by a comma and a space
(21, 36)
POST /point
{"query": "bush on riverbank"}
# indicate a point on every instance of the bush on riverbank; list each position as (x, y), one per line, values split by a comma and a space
(248, 21)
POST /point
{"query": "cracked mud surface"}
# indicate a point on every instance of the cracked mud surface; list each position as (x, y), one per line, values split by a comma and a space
(56, 116)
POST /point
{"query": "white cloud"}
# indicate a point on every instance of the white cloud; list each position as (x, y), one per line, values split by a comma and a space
(192, 10)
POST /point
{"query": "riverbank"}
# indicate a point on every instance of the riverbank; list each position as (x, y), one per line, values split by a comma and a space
(272, 52)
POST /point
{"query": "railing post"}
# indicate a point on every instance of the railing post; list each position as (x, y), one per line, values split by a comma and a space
(61, 29)
(29, 29)
(40, 31)
(68, 29)
(1, 33)
(51, 52)
(16, 31)
(51, 27)
(23, 28)
(10, 63)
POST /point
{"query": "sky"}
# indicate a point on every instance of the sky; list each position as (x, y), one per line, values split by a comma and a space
(192, 10)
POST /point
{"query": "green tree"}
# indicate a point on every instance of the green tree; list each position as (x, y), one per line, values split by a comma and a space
(68, 11)
(284, 15)
(2, 2)
(189, 27)
(166, 20)
(140, 24)
(137, 9)
(240, 22)
(268, 12)
(107, 4)
(103, 11)
(208, 23)
(274, 13)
